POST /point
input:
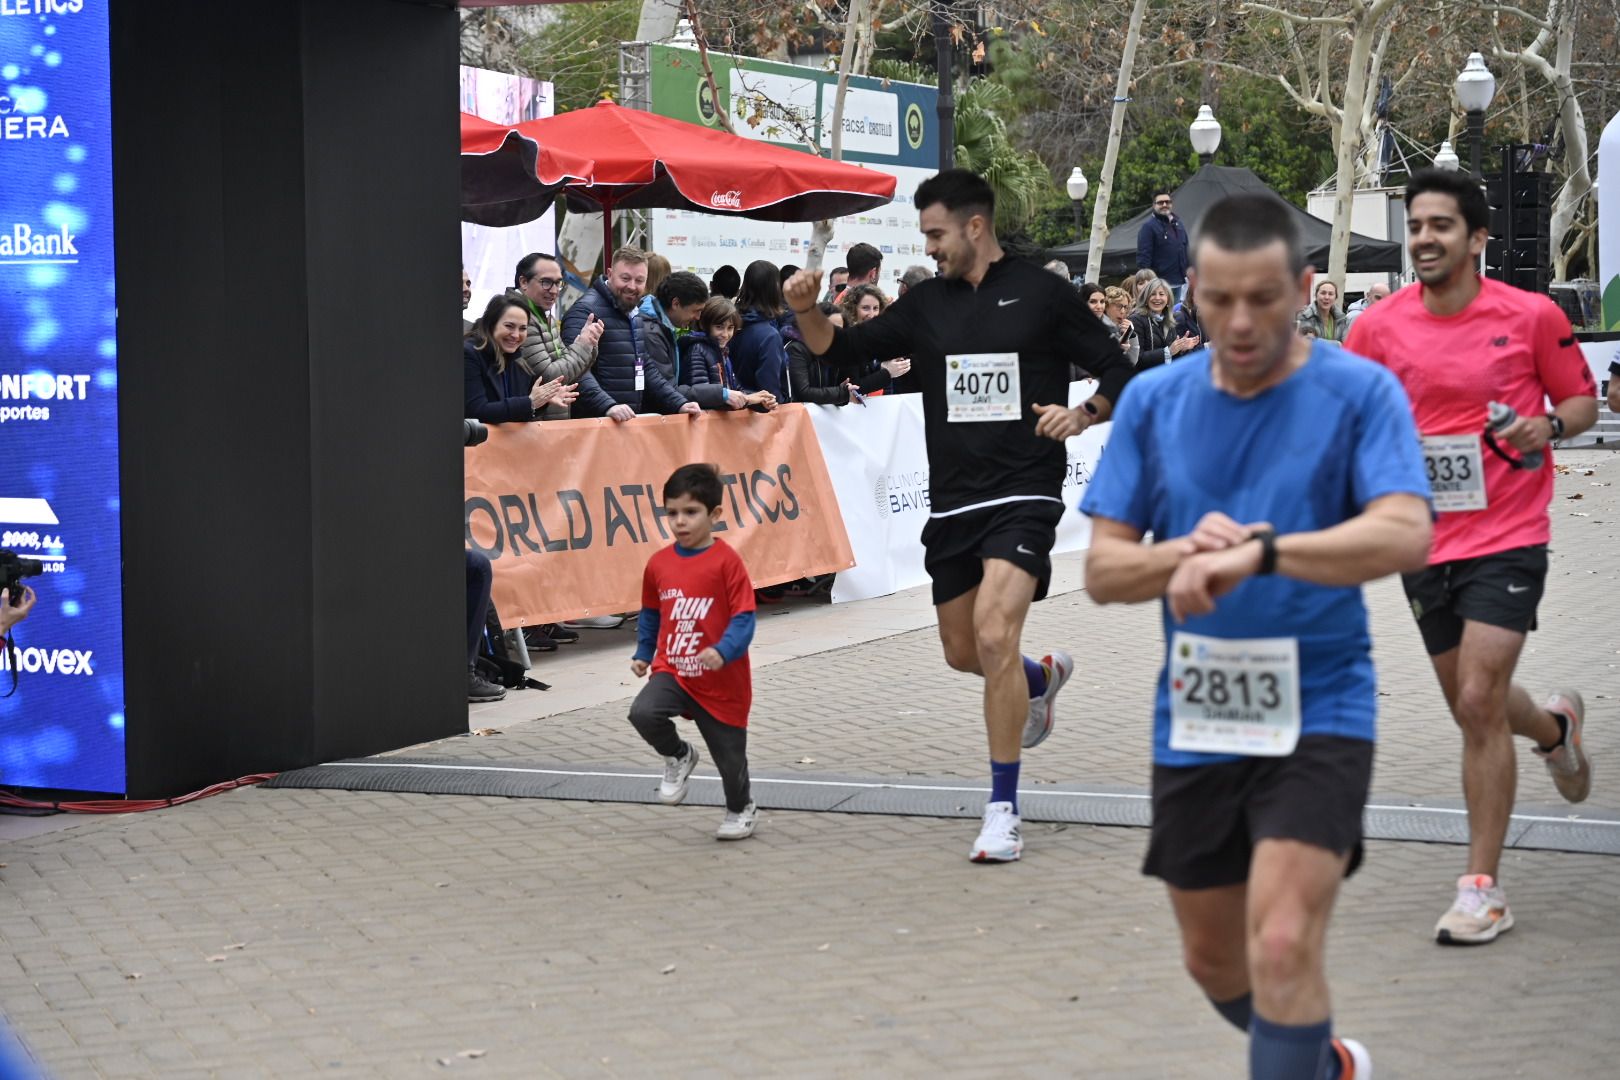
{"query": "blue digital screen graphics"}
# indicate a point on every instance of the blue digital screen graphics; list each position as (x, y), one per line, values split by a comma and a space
(59, 500)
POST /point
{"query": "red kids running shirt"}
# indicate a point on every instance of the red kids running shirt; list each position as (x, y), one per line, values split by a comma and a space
(695, 597)
(1508, 345)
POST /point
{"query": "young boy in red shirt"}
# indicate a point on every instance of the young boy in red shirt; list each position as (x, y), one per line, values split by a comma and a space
(697, 620)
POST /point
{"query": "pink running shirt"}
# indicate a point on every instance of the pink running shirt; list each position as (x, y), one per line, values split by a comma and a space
(1508, 345)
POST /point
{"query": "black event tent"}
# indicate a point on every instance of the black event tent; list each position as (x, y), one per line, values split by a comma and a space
(1201, 190)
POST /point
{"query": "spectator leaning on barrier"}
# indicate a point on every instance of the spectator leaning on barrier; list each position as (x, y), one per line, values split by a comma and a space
(703, 359)
(758, 353)
(863, 303)
(1156, 327)
(816, 382)
(913, 277)
(621, 383)
(538, 282)
(1161, 243)
(497, 389)
(663, 320)
(1116, 317)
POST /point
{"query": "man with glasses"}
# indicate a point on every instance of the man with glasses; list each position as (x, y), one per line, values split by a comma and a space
(538, 283)
(1161, 244)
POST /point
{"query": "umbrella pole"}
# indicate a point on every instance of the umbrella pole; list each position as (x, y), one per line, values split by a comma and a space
(607, 237)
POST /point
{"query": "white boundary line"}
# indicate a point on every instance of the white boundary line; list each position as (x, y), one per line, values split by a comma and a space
(897, 787)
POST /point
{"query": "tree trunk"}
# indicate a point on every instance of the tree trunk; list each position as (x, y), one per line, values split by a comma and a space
(1365, 28)
(1116, 130)
(1572, 120)
(822, 234)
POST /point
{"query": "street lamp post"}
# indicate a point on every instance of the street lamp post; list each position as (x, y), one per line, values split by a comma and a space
(1205, 133)
(1078, 186)
(1446, 157)
(1475, 87)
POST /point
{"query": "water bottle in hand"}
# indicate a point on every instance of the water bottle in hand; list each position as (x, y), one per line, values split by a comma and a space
(1499, 417)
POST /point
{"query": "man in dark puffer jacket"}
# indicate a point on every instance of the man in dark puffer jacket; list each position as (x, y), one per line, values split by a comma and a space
(660, 320)
(621, 383)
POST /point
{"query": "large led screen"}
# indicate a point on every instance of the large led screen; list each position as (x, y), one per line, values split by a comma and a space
(64, 725)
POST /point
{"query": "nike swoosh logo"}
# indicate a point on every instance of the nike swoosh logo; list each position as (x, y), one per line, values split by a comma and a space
(1519, 589)
(1024, 550)
(1004, 303)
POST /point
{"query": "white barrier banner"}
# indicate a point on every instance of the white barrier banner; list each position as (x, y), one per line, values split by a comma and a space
(878, 462)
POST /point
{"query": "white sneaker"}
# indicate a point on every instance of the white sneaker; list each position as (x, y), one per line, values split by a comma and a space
(1042, 715)
(738, 825)
(1477, 916)
(677, 771)
(596, 622)
(998, 837)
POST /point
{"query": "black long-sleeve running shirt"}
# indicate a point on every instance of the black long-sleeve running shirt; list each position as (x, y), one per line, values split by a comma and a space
(1018, 308)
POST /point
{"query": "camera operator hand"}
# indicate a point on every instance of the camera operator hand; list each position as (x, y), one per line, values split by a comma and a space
(11, 614)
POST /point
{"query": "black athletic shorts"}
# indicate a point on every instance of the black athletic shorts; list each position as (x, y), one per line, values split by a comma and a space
(1022, 532)
(1499, 589)
(1208, 818)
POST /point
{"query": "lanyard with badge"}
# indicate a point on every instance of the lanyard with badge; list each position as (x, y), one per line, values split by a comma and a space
(982, 388)
(635, 343)
(1234, 695)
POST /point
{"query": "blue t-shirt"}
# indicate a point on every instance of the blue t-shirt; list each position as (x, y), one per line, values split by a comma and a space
(1307, 454)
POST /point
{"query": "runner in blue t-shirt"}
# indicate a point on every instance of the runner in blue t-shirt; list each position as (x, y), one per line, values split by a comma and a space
(1276, 476)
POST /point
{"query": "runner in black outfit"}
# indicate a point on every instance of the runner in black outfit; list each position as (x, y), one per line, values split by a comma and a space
(990, 342)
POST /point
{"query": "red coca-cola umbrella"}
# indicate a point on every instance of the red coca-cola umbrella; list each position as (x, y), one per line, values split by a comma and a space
(507, 177)
(644, 161)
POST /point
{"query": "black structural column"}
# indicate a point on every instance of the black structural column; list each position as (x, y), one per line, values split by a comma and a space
(286, 197)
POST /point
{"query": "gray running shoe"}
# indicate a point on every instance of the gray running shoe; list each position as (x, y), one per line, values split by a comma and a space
(738, 824)
(1478, 915)
(1568, 765)
(1042, 711)
(677, 772)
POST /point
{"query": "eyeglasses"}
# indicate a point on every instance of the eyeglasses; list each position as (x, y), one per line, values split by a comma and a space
(548, 282)
(1163, 202)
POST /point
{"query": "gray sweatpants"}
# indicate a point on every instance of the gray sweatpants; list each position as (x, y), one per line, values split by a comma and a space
(653, 714)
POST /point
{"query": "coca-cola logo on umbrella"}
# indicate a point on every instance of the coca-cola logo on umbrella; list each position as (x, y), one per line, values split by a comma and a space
(732, 200)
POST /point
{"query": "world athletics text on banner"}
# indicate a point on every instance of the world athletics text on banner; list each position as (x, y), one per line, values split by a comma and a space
(879, 469)
(569, 511)
(59, 496)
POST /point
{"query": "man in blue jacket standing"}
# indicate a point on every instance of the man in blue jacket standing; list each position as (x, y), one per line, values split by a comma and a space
(622, 382)
(1161, 244)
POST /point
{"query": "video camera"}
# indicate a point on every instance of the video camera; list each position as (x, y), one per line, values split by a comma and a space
(13, 568)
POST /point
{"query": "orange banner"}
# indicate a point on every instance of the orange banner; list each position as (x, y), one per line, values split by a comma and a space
(569, 511)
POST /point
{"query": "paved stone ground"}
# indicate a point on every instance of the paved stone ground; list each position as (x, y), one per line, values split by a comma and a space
(290, 933)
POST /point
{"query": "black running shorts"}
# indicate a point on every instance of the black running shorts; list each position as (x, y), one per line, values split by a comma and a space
(1208, 818)
(1022, 532)
(1500, 589)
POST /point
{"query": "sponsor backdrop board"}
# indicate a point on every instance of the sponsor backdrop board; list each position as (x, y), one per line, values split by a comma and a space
(491, 255)
(890, 126)
(59, 499)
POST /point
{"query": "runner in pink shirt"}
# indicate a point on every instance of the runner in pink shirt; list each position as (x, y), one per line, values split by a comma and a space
(1458, 343)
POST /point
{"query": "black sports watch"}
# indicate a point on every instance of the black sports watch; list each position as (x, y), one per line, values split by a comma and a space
(1268, 549)
(1557, 423)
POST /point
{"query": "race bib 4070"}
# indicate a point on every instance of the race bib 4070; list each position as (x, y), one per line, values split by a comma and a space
(982, 387)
